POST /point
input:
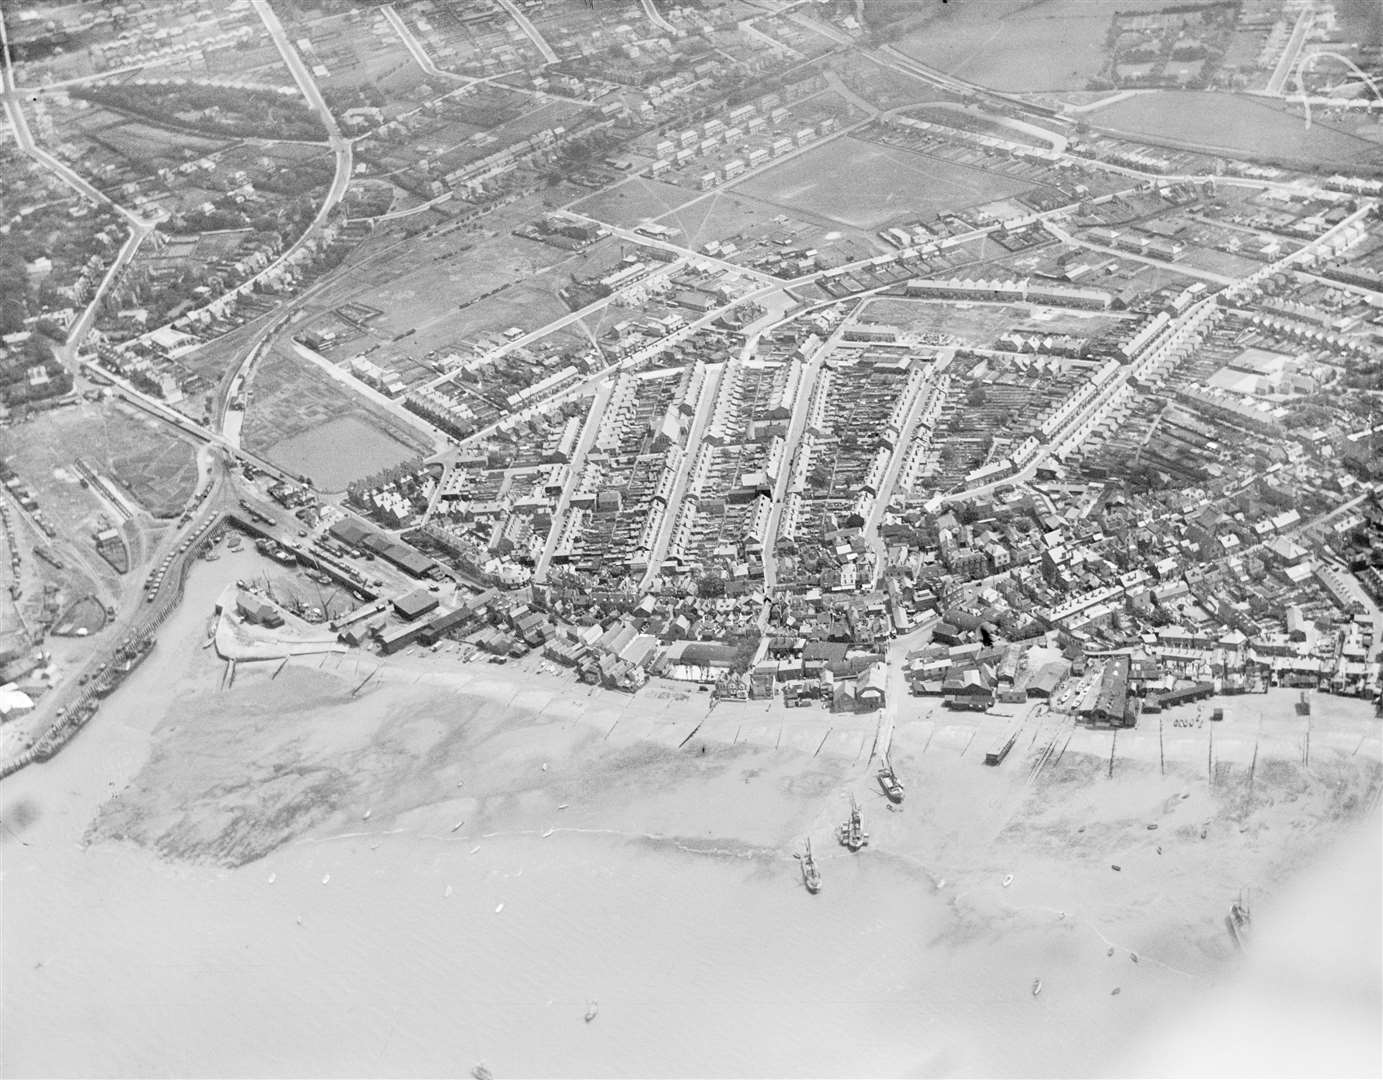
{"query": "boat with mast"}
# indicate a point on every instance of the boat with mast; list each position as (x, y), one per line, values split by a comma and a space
(1240, 921)
(851, 833)
(888, 780)
(811, 876)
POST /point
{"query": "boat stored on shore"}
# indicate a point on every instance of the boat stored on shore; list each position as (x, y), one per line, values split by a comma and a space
(888, 780)
(851, 833)
(1240, 921)
(811, 876)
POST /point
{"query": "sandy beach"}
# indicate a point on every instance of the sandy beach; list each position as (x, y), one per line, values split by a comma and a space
(282, 878)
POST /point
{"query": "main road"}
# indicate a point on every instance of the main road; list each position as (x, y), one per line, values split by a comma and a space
(340, 147)
(1287, 61)
(25, 139)
(655, 18)
(529, 29)
(415, 47)
(78, 331)
(701, 419)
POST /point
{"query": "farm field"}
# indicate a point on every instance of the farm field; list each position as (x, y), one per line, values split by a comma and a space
(866, 185)
(1244, 126)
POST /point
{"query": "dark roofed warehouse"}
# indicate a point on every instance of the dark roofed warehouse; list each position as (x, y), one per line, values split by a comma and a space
(414, 604)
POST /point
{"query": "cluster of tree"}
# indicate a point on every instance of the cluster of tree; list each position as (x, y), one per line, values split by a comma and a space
(408, 471)
(250, 113)
(14, 290)
(15, 388)
(363, 96)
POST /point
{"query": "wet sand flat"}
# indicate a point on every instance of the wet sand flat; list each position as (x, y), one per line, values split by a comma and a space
(199, 865)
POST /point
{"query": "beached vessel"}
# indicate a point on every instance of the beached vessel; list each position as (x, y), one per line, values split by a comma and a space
(888, 780)
(1036, 987)
(1240, 921)
(592, 1008)
(851, 833)
(811, 876)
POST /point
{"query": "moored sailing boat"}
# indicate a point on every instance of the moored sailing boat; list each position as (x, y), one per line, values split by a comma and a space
(851, 833)
(888, 780)
(811, 876)
(1240, 921)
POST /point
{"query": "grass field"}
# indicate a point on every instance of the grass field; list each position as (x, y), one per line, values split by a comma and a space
(1017, 45)
(448, 288)
(338, 452)
(1241, 125)
(638, 200)
(865, 185)
(292, 400)
(981, 323)
(721, 215)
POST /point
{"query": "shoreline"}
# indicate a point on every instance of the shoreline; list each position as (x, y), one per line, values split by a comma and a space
(486, 898)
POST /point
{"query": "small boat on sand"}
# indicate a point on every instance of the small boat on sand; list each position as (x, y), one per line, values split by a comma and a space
(592, 1008)
(888, 781)
(1240, 921)
(1036, 987)
(366, 815)
(482, 1073)
(1008, 880)
(811, 876)
(458, 825)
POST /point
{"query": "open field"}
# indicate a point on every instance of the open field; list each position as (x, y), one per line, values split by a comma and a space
(980, 322)
(231, 826)
(155, 468)
(453, 305)
(634, 202)
(292, 399)
(1016, 45)
(338, 452)
(447, 289)
(886, 87)
(866, 185)
(1245, 126)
